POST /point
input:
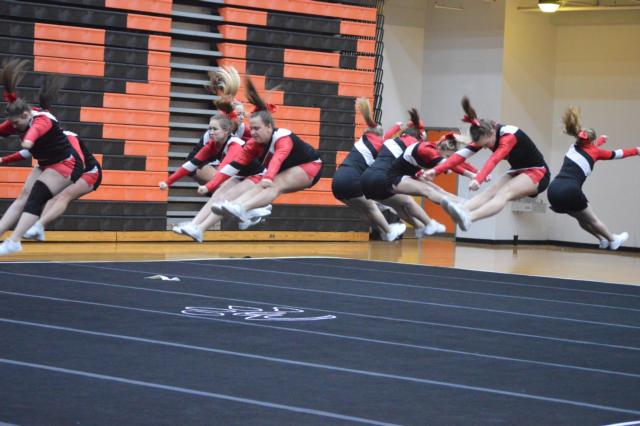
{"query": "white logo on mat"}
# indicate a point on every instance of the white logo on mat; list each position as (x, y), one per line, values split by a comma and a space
(278, 313)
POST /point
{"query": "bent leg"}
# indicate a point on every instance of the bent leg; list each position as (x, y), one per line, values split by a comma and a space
(14, 211)
(517, 187)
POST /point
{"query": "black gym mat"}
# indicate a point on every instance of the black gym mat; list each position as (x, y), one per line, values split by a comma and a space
(312, 341)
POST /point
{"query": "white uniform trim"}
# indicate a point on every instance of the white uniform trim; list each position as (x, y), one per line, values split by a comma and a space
(364, 151)
(508, 130)
(407, 155)
(46, 114)
(393, 146)
(280, 133)
(618, 153)
(582, 162)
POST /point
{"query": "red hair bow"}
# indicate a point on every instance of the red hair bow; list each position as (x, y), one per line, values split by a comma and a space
(449, 135)
(583, 136)
(269, 107)
(420, 125)
(10, 96)
(473, 121)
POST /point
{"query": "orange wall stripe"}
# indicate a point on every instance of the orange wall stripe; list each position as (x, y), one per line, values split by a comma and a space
(366, 46)
(300, 127)
(148, 23)
(308, 197)
(239, 64)
(360, 29)
(127, 177)
(324, 184)
(126, 193)
(159, 59)
(68, 66)
(158, 74)
(85, 52)
(366, 62)
(141, 102)
(233, 50)
(233, 32)
(153, 6)
(157, 164)
(307, 57)
(313, 140)
(310, 7)
(162, 43)
(328, 74)
(147, 149)
(118, 116)
(154, 88)
(447, 182)
(67, 33)
(243, 16)
(355, 90)
(140, 133)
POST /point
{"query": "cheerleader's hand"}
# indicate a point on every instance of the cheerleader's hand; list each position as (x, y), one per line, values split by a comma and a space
(488, 178)
(163, 185)
(429, 175)
(266, 183)
(474, 185)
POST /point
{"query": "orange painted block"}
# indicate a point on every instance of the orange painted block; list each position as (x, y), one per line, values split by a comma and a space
(139, 133)
(159, 59)
(243, 16)
(355, 90)
(159, 74)
(119, 116)
(141, 102)
(148, 23)
(233, 50)
(340, 156)
(233, 32)
(307, 57)
(157, 164)
(68, 66)
(310, 7)
(13, 175)
(155, 88)
(154, 6)
(239, 64)
(323, 185)
(366, 62)
(301, 127)
(86, 52)
(366, 46)
(162, 43)
(359, 29)
(68, 33)
(132, 178)
(10, 189)
(127, 193)
(146, 148)
(308, 197)
(328, 74)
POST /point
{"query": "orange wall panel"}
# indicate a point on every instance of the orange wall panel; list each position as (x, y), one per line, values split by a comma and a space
(146, 148)
(311, 8)
(140, 133)
(118, 116)
(233, 50)
(68, 33)
(360, 29)
(141, 102)
(243, 16)
(154, 6)
(148, 23)
(162, 43)
(307, 57)
(233, 32)
(68, 66)
(154, 88)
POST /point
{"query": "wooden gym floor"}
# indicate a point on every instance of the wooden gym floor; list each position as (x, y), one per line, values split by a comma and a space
(540, 260)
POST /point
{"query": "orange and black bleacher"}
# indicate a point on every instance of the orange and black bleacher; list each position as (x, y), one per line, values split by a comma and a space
(133, 89)
(115, 65)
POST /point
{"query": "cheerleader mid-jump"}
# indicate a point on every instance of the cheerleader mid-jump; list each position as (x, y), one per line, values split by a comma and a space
(528, 176)
(565, 191)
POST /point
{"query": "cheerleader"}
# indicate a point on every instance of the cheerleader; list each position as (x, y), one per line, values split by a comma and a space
(88, 182)
(376, 184)
(291, 164)
(58, 163)
(528, 176)
(346, 185)
(565, 191)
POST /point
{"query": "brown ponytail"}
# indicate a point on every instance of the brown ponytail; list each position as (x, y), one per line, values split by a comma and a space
(49, 91)
(262, 109)
(479, 127)
(363, 106)
(11, 75)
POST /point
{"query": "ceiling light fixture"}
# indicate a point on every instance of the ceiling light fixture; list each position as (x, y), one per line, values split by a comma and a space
(548, 6)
